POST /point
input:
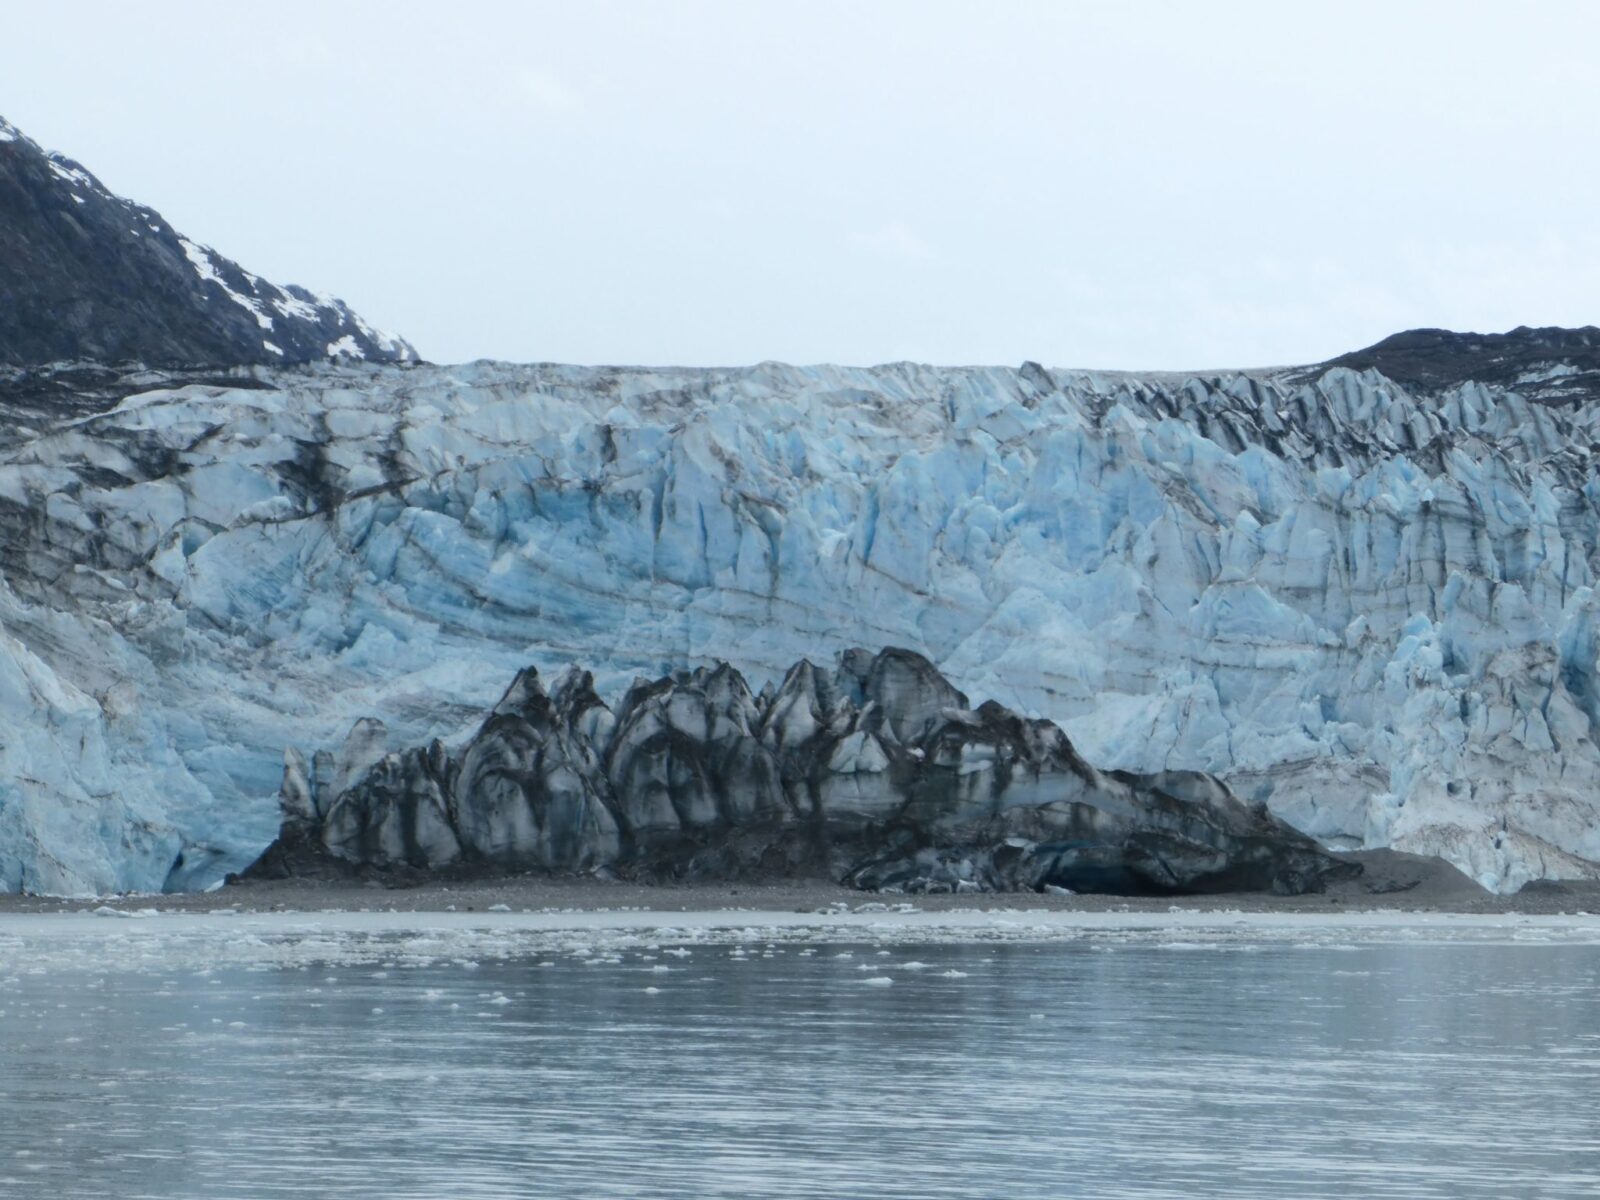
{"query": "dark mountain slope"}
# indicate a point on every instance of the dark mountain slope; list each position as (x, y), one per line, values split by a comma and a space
(87, 275)
(1551, 365)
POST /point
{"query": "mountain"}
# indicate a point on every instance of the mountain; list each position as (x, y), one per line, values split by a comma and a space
(1367, 604)
(87, 275)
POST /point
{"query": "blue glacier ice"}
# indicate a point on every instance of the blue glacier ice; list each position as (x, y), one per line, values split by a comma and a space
(1373, 609)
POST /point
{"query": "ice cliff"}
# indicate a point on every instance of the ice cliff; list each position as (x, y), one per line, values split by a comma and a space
(1370, 605)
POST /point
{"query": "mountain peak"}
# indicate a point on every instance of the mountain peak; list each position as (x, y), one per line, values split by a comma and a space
(88, 275)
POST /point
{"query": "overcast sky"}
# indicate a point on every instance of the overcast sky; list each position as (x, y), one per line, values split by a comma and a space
(1087, 184)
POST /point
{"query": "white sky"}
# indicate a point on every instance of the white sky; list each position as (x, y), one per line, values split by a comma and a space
(1158, 185)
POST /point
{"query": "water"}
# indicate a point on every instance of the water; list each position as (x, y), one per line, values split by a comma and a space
(1085, 1067)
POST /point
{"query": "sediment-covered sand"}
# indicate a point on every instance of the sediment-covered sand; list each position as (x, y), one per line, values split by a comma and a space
(1391, 882)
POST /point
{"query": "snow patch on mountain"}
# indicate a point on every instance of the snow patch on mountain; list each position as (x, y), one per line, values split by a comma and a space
(201, 258)
(345, 347)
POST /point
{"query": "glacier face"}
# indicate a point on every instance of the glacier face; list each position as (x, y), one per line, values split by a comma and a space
(1371, 608)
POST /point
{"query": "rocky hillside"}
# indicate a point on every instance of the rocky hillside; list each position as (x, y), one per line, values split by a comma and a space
(87, 275)
(1550, 365)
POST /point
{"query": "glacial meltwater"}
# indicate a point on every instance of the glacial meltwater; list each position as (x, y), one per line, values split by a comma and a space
(781, 1055)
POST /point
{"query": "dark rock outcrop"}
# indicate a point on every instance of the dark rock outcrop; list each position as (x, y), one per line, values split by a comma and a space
(1552, 365)
(878, 773)
(88, 276)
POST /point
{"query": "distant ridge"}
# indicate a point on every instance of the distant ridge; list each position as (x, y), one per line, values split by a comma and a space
(1552, 364)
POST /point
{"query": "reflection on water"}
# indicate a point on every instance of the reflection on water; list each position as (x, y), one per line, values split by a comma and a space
(977, 1071)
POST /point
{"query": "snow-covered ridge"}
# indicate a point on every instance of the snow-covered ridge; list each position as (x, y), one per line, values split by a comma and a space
(1372, 608)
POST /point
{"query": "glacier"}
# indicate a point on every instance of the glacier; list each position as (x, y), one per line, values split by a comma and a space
(1371, 606)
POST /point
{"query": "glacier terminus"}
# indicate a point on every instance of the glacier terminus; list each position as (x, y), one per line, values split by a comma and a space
(1362, 593)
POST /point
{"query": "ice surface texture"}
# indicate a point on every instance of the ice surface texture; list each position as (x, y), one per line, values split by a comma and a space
(877, 773)
(1372, 609)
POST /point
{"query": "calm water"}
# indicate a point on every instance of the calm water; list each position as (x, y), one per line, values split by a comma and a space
(981, 1070)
